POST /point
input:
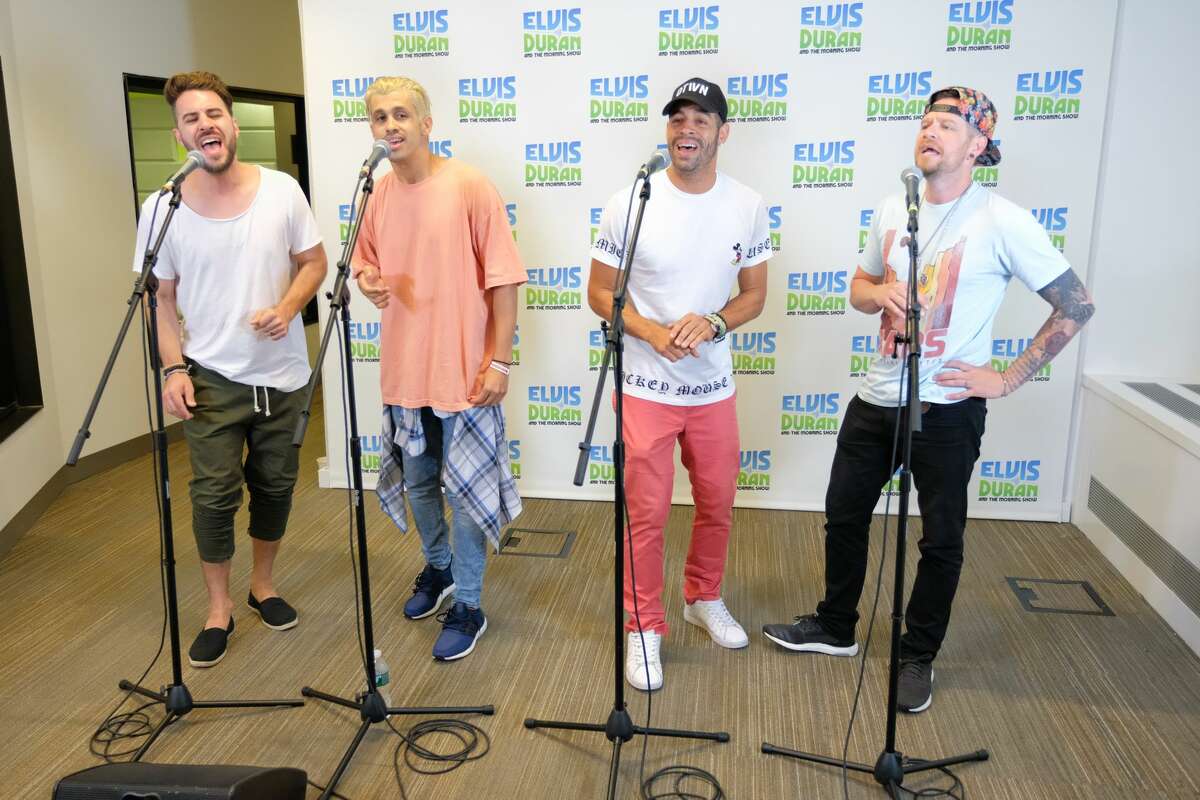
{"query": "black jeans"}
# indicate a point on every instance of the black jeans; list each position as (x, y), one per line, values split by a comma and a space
(943, 457)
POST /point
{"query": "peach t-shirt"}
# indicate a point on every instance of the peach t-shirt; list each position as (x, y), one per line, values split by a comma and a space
(440, 245)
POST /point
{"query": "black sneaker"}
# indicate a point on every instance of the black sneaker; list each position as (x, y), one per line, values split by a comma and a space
(274, 612)
(210, 646)
(430, 590)
(914, 693)
(808, 635)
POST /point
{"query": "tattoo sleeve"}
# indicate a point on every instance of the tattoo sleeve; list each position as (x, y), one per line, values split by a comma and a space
(1072, 309)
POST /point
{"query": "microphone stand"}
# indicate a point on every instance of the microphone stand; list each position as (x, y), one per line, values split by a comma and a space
(369, 704)
(619, 727)
(175, 697)
(891, 766)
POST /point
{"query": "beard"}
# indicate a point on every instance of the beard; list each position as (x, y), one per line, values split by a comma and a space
(224, 164)
(706, 151)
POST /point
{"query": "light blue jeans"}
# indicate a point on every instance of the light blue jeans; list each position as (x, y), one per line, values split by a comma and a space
(423, 483)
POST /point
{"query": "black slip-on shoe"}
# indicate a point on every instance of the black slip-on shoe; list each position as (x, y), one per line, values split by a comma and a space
(274, 612)
(210, 646)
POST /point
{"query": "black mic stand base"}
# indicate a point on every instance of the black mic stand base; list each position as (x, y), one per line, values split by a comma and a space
(890, 768)
(177, 702)
(620, 729)
(372, 710)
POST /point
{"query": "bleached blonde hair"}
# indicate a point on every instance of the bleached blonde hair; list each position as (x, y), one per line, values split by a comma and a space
(392, 84)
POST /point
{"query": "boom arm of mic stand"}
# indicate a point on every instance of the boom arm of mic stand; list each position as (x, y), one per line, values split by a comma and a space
(339, 298)
(615, 332)
(146, 281)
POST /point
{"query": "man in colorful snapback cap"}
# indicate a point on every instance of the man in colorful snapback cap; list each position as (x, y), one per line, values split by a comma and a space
(971, 242)
(703, 232)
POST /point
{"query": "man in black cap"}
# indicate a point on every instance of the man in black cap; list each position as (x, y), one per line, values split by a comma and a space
(702, 232)
(971, 243)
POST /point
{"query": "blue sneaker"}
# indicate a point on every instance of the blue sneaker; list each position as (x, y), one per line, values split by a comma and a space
(430, 589)
(461, 628)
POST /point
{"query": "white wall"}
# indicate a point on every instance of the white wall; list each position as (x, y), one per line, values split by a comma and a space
(1145, 273)
(29, 456)
(63, 63)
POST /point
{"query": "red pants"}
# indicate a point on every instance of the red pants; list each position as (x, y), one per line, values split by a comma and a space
(708, 436)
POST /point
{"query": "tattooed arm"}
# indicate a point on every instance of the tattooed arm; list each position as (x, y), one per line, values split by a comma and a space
(1072, 309)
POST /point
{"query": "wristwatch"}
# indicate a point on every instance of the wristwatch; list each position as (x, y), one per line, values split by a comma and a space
(718, 325)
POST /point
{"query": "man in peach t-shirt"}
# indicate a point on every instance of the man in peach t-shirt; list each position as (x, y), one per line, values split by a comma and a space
(436, 254)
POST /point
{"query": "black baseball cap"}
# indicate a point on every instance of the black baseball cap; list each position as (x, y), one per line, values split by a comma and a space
(703, 93)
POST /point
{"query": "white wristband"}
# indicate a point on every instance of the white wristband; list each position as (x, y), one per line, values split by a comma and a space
(499, 367)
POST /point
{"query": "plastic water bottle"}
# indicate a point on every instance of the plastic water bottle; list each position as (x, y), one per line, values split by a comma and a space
(383, 678)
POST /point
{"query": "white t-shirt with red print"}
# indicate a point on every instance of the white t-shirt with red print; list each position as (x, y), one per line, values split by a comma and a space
(965, 267)
(689, 252)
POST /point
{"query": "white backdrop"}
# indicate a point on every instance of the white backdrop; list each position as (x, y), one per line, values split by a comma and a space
(559, 106)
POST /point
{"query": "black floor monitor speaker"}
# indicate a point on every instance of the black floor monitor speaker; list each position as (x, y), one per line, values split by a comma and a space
(141, 781)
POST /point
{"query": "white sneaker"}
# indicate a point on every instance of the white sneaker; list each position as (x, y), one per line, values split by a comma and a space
(714, 617)
(643, 671)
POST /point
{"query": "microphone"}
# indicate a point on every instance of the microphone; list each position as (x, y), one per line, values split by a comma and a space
(379, 151)
(193, 162)
(658, 161)
(911, 177)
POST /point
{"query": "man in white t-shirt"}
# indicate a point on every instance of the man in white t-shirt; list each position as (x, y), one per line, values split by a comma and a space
(971, 242)
(702, 232)
(240, 261)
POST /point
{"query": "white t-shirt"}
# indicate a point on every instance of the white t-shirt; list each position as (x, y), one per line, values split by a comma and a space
(965, 269)
(689, 251)
(226, 270)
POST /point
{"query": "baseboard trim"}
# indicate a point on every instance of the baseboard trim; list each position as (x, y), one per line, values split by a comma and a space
(86, 467)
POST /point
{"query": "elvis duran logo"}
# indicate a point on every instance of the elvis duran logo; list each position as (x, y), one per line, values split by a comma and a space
(1050, 94)
(1009, 481)
(1054, 220)
(601, 471)
(753, 352)
(511, 210)
(810, 414)
(348, 105)
(757, 98)
(364, 342)
(689, 31)
(514, 457)
(594, 215)
(555, 405)
(371, 448)
(554, 288)
(552, 32)
(1005, 351)
(490, 99)
(516, 354)
(864, 227)
(863, 352)
(831, 28)
(618, 98)
(774, 224)
(817, 293)
(754, 471)
(823, 165)
(987, 176)
(421, 34)
(596, 347)
(979, 25)
(898, 95)
(549, 164)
